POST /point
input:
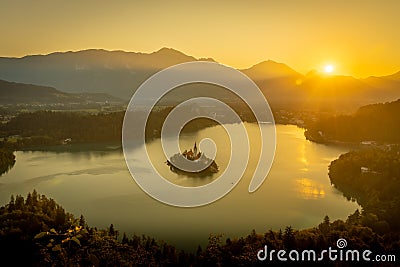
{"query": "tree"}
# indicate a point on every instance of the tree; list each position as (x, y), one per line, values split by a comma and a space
(213, 252)
(125, 239)
(82, 221)
(354, 218)
(11, 204)
(111, 230)
(29, 201)
(324, 227)
(19, 203)
(288, 238)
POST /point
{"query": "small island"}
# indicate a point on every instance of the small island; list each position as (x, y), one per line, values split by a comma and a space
(197, 161)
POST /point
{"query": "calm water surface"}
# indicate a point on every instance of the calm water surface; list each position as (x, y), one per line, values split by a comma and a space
(95, 182)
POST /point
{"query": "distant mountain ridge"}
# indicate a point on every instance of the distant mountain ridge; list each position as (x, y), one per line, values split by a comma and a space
(270, 69)
(395, 76)
(95, 70)
(20, 93)
(120, 73)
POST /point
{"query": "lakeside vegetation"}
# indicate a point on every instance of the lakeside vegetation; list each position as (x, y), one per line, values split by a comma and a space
(7, 160)
(46, 235)
(377, 122)
(43, 128)
(36, 231)
(371, 174)
(372, 178)
(47, 128)
(31, 130)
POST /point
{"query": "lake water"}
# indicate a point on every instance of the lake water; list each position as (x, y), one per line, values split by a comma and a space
(95, 181)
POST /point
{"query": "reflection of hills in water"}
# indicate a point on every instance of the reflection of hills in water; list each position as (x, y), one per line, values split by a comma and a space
(79, 147)
(193, 160)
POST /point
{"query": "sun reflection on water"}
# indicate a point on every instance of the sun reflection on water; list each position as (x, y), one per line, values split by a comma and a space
(308, 189)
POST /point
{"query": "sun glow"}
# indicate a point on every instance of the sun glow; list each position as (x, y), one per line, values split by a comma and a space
(329, 69)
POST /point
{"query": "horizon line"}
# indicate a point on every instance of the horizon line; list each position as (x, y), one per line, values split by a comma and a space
(197, 58)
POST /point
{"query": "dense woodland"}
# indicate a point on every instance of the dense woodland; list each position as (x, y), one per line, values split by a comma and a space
(46, 128)
(7, 160)
(372, 178)
(43, 128)
(377, 122)
(36, 231)
(33, 130)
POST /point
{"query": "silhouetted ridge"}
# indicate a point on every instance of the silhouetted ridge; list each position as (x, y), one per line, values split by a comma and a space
(8, 89)
(120, 73)
(21, 93)
(270, 69)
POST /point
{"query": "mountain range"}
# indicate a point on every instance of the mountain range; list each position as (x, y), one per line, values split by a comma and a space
(120, 73)
(20, 93)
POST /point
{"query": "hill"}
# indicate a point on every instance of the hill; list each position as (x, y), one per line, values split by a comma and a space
(338, 92)
(395, 76)
(385, 86)
(37, 231)
(371, 176)
(270, 69)
(278, 82)
(93, 71)
(20, 93)
(120, 73)
(378, 122)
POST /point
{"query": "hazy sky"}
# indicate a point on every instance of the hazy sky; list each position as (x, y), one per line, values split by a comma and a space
(359, 38)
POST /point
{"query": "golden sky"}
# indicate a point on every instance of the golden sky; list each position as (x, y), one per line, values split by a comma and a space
(359, 38)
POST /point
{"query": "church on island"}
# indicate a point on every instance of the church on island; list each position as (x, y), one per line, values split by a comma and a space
(192, 154)
(205, 165)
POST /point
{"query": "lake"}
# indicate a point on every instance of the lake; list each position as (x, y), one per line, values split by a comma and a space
(93, 180)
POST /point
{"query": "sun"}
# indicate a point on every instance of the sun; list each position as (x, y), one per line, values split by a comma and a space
(329, 68)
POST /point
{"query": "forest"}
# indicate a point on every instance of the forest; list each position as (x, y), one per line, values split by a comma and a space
(377, 122)
(7, 160)
(51, 128)
(372, 178)
(46, 128)
(36, 231)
